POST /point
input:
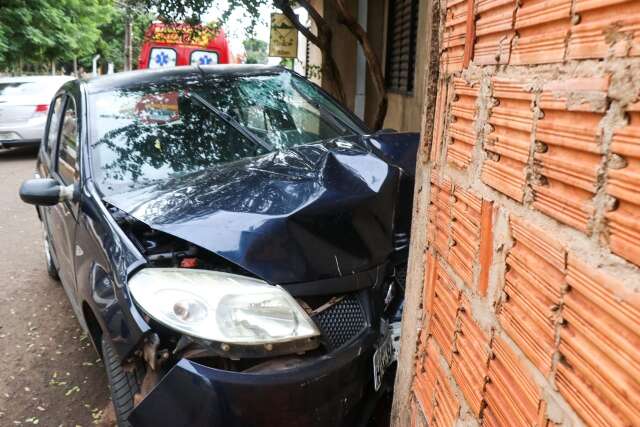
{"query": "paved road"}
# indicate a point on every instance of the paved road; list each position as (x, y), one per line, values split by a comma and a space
(50, 374)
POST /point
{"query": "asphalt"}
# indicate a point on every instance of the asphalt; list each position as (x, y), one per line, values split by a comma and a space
(50, 374)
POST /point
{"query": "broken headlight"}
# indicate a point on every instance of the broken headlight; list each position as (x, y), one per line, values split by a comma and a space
(231, 310)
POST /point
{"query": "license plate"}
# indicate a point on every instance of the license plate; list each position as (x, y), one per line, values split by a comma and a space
(384, 356)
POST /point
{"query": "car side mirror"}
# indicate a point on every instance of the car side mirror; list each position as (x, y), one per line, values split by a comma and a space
(45, 192)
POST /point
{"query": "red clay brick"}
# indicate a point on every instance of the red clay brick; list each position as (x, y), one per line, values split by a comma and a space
(533, 285)
(455, 34)
(424, 384)
(494, 31)
(462, 136)
(439, 214)
(465, 233)
(546, 247)
(433, 392)
(446, 301)
(447, 406)
(605, 28)
(471, 236)
(430, 272)
(577, 94)
(543, 26)
(470, 35)
(570, 156)
(623, 183)
(486, 245)
(512, 122)
(512, 396)
(469, 364)
(599, 373)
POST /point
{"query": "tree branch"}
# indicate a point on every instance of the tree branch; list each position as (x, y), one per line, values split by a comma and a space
(323, 41)
(286, 9)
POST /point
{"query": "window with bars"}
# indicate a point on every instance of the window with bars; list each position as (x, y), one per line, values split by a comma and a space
(402, 32)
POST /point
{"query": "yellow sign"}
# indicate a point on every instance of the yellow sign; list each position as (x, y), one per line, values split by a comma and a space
(284, 37)
(182, 35)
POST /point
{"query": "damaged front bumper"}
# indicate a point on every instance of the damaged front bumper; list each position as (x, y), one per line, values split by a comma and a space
(330, 390)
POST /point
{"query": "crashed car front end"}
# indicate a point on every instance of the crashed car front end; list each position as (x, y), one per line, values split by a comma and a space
(330, 385)
(248, 285)
(333, 254)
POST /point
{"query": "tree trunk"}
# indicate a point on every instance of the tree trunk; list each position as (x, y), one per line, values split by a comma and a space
(75, 66)
(375, 69)
(323, 40)
(127, 41)
(130, 46)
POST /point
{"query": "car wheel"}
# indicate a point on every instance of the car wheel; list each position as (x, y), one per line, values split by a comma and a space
(52, 271)
(123, 384)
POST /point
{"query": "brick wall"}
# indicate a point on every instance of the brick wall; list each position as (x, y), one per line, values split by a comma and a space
(527, 223)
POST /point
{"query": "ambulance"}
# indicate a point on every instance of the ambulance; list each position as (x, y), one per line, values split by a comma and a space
(168, 45)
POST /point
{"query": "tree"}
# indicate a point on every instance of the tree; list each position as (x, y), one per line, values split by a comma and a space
(38, 32)
(112, 45)
(256, 51)
(192, 10)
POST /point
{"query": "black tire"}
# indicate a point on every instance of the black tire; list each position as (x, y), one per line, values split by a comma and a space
(52, 271)
(123, 384)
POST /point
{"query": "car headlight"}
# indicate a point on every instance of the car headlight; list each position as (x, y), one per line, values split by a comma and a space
(225, 308)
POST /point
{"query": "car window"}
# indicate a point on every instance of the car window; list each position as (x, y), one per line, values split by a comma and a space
(148, 134)
(68, 148)
(54, 123)
(281, 109)
(160, 57)
(203, 57)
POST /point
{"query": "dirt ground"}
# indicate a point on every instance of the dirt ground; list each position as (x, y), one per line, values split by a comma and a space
(51, 375)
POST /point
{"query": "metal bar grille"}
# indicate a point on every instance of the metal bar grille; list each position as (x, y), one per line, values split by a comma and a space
(401, 45)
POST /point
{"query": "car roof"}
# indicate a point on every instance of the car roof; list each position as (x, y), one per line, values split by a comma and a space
(28, 79)
(138, 77)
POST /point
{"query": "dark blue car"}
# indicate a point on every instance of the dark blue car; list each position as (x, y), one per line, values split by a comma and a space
(233, 241)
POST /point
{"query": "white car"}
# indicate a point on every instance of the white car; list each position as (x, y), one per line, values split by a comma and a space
(24, 102)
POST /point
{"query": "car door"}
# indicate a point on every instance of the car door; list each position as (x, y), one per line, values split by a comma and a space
(62, 217)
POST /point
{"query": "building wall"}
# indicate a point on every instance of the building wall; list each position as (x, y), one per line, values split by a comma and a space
(526, 246)
(377, 30)
(405, 110)
(344, 51)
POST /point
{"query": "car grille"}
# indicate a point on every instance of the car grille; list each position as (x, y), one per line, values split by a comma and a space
(341, 322)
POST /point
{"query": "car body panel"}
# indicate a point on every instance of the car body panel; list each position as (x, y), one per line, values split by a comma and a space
(107, 259)
(274, 214)
(327, 392)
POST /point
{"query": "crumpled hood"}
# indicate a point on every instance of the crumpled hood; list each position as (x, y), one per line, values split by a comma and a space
(314, 212)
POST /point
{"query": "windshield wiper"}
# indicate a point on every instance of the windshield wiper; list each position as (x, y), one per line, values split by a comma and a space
(232, 122)
(330, 115)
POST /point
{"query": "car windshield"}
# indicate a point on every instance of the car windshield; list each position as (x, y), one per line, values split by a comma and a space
(149, 133)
